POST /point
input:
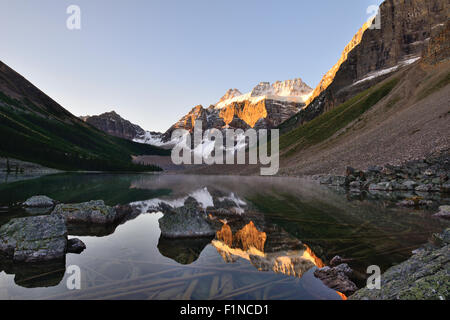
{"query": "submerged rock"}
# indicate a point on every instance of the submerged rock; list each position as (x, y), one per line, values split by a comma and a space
(188, 221)
(34, 239)
(337, 278)
(95, 212)
(425, 276)
(39, 202)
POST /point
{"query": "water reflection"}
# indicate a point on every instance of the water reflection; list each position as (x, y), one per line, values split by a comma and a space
(272, 234)
(183, 251)
(250, 244)
(35, 275)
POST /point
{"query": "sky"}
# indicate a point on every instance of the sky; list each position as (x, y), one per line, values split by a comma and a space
(152, 61)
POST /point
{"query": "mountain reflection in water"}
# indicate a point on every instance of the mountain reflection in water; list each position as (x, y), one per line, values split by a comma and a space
(272, 234)
(249, 243)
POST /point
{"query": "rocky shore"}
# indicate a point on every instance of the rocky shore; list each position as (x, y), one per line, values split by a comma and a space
(416, 180)
(415, 184)
(425, 276)
(43, 238)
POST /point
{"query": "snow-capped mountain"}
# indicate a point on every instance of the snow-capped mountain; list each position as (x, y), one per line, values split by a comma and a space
(265, 107)
(294, 90)
(230, 94)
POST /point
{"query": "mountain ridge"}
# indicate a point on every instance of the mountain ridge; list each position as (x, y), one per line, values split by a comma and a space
(35, 128)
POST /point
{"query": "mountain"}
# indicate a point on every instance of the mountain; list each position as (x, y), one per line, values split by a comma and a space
(35, 128)
(115, 125)
(374, 54)
(230, 94)
(386, 101)
(265, 107)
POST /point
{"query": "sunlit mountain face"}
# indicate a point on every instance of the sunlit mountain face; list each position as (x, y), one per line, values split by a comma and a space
(328, 78)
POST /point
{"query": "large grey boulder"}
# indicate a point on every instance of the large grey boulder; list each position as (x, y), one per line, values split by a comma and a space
(39, 202)
(34, 239)
(92, 212)
(188, 221)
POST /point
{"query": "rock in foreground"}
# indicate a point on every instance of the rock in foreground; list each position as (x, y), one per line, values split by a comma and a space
(425, 276)
(95, 212)
(34, 239)
(188, 221)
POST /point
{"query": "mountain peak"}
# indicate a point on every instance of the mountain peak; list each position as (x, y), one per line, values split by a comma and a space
(230, 94)
(288, 88)
(113, 124)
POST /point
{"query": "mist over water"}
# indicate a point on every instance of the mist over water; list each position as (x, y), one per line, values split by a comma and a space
(287, 228)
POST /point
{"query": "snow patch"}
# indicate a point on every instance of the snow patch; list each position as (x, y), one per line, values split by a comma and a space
(380, 73)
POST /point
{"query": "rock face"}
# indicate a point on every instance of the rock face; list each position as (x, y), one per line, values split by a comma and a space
(113, 124)
(438, 48)
(425, 276)
(265, 107)
(92, 212)
(373, 54)
(188, 221)
(337, 278)
(230, 94)
(34, 239)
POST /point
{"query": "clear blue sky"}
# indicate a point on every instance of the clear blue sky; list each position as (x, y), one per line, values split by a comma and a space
(153, 60)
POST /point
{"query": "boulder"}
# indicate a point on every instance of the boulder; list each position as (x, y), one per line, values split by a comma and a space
(325, 180)
(337, 278)
(92, 212)
(338, 181)
(374, 169)
(409, 185)
(188, 221)
(424, 188)
(34, 239)
(382, 186)
(406, 203)
(355, 185)
(39, 202)
(444, 212)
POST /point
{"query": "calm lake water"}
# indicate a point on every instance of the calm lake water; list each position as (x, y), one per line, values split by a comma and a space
(288, 228)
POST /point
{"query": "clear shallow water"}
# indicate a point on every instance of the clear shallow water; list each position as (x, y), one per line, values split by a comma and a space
(259, 259)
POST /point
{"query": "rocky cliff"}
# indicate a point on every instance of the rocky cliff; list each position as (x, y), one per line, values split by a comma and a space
(438, 48)
(405, 32)
(115, 125)
(265, 107)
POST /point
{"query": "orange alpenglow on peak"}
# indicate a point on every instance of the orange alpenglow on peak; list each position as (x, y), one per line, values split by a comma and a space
(329, 76)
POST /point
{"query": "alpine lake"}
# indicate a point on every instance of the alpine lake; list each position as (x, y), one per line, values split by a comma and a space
(287, 228)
